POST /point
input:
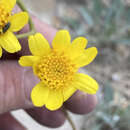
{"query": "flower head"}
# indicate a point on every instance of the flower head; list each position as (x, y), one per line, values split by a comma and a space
(10, 23)
(57, 68)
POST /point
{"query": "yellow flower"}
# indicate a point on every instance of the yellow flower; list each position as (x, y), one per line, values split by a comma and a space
(57, 68)
(10, 23)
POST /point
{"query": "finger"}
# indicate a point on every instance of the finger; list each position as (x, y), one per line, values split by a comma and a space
(8, 122)
(11, 86)
(15, 86)
(81, 103)
(48, 118)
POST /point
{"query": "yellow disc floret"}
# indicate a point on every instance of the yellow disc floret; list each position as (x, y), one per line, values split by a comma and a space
(4, 17)
(55, 70)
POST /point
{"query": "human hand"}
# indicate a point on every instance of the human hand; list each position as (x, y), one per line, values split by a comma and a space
(16, 84)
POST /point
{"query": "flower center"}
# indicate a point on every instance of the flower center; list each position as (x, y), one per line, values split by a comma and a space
(55, 70)
(4, 19)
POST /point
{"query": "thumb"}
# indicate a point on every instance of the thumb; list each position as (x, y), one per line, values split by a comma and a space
(15, 86)
(16, 82)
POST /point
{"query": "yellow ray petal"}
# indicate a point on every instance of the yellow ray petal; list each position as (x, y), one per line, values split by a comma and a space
(0, 52)
(39, 94)
(68, 91)
(77, 47)
(9, 42)
(38, 45)
(55, 100)
(9, 4)
(61, 41)
(87, 57)
(28, 60)
(18, 21)
(85, 83)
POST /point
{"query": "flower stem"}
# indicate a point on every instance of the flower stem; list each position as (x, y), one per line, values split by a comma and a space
(69, 119)
(30, 22)
(24, 35)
